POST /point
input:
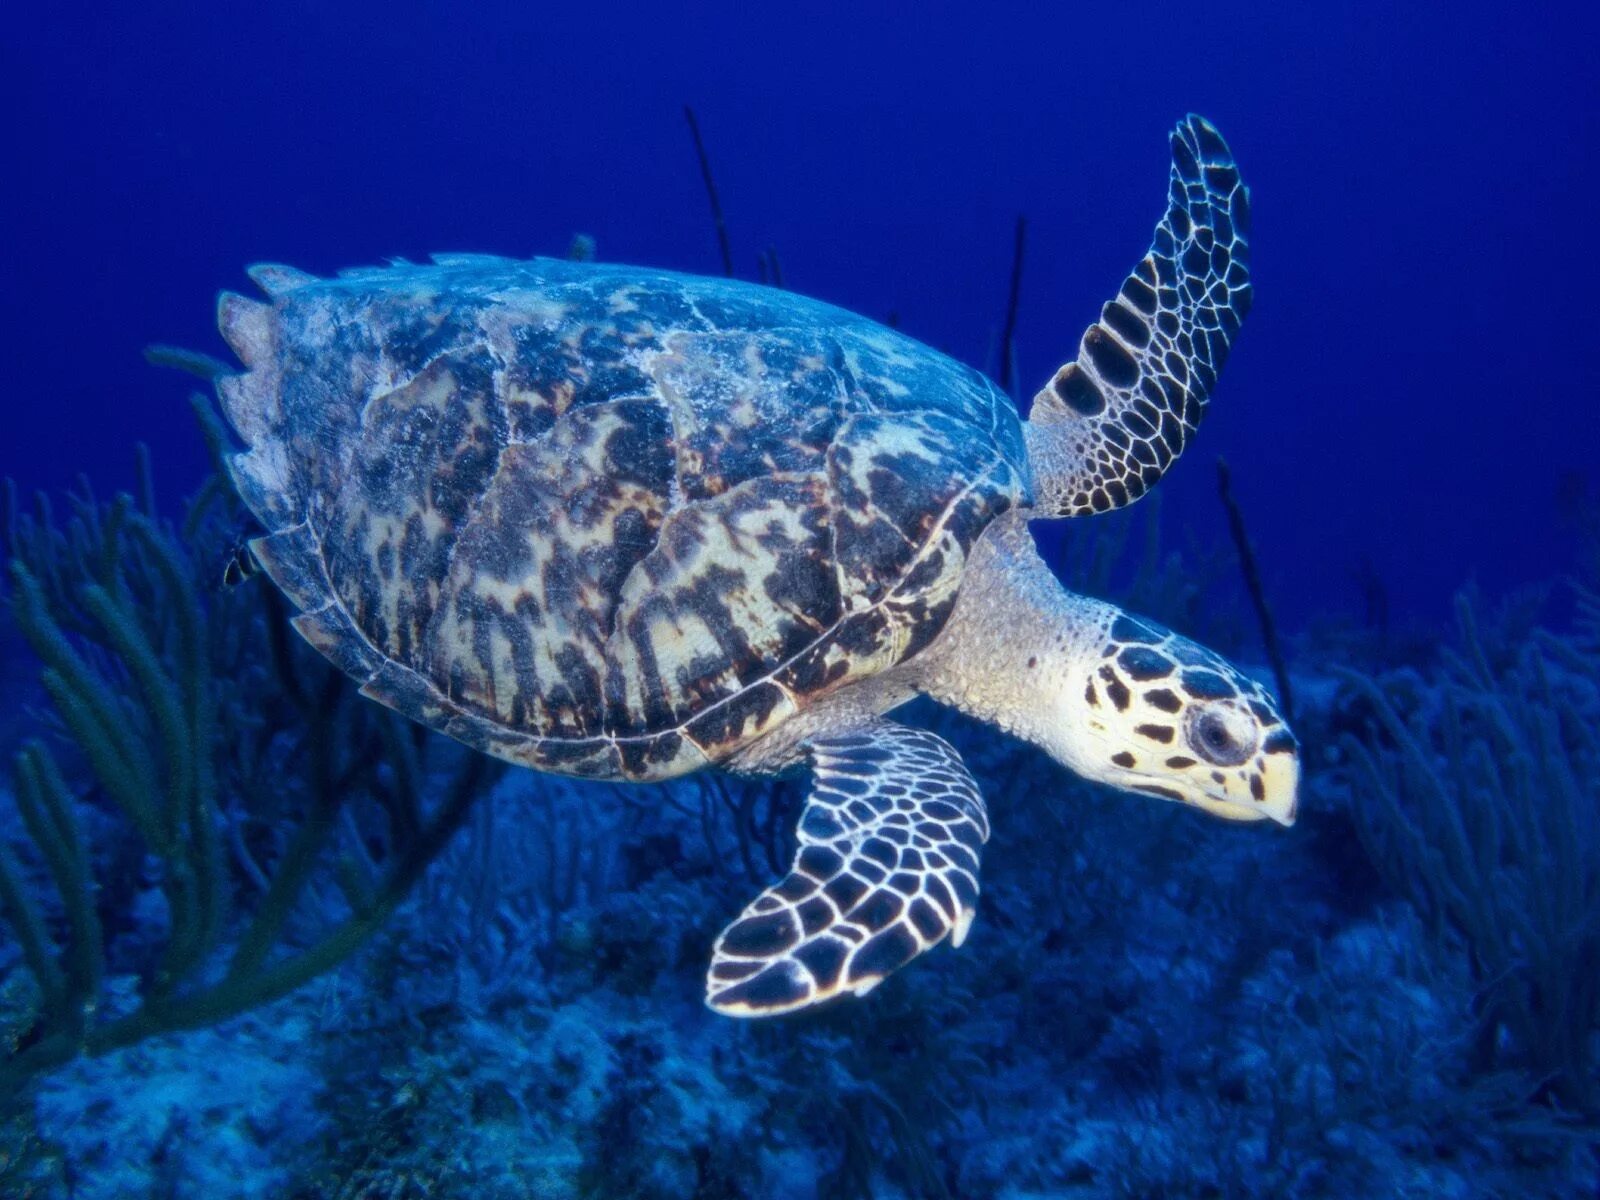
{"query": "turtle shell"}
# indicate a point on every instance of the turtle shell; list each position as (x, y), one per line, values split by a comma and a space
(602, 520)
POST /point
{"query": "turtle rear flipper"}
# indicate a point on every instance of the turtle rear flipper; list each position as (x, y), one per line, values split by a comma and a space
(887, 867)
(1109, 424)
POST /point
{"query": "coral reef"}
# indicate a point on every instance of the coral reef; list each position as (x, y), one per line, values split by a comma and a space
(1388, 999)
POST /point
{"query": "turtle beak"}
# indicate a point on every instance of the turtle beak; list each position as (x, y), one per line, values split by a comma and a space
(1279, 795)
(1281, 784)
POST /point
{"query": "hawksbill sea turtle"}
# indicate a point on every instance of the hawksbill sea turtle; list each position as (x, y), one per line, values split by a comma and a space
(625, 524)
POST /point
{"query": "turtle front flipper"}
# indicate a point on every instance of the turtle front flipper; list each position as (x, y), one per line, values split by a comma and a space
(1109, 424)
(887, 866)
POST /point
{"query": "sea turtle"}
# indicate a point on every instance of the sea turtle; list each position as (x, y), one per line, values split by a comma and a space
(625, 524)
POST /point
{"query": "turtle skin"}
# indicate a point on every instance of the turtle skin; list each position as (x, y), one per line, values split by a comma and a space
(605, 521)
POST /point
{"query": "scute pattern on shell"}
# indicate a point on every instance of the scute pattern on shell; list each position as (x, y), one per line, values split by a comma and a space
(602, 520)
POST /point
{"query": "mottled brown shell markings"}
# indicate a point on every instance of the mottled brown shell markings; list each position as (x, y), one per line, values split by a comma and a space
(750, 403)
(736, 584)
(425, 453)
(607, 521)
(530, 598)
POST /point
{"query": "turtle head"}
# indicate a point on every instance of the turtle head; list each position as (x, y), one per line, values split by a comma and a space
(1155, 713)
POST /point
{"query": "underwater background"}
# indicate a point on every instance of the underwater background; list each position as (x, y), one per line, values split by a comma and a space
(1399, 996)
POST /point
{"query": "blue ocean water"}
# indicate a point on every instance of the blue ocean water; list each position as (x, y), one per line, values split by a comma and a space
(1395, 997)
(1408, 396)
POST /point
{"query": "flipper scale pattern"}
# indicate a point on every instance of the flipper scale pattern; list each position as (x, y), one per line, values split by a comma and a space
(886, 867)
(1114, 419)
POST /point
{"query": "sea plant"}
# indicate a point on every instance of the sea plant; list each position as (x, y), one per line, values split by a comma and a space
(1479, 800)
(252, 780)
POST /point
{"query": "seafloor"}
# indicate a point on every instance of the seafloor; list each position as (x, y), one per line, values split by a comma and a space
(1396, 998)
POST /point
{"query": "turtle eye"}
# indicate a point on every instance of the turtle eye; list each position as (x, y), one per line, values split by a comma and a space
(1216, 741)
